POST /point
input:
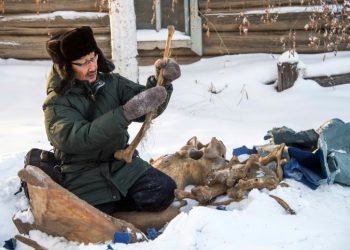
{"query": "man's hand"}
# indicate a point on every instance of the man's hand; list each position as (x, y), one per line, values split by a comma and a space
(145, 102)
(171, 70)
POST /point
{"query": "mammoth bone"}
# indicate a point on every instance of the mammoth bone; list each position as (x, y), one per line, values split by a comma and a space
(205, 167)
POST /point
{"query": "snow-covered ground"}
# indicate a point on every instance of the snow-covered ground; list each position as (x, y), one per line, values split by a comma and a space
(240, 114)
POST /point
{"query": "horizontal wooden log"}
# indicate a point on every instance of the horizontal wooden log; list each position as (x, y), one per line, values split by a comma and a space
(330, 81)
(30, 6)
(207, 5)
(54, 20)
(255, 42)
(232, 22)
(20, 31)
(33, 47)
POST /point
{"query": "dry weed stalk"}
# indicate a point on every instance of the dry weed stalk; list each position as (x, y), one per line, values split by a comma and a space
(289, 42)
(268, 17)
(100, 4)
(153, 19)
(38, 6)
(206, 25)
(2, 6)
(329, 27)
(244, 94)
(244, 23)
(173, 4)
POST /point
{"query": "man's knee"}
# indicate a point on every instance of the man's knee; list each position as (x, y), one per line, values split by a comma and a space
(157, 192)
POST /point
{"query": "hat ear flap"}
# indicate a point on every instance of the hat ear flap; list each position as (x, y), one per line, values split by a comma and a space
(53, 49)
(67, 78)
(104, 65)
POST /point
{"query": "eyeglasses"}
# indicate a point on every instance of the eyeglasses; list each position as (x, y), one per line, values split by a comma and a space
(87, 62)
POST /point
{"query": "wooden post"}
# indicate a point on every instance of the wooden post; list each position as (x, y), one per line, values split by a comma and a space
(287, 75)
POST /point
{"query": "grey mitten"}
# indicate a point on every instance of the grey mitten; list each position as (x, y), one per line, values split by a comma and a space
(171, 70)
(145, 102)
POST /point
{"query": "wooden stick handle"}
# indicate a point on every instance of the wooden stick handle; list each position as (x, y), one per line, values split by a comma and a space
(126, 154)
(167, 52)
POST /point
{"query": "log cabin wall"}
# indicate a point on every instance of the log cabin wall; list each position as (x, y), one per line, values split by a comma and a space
(25, 25)
(23, 32)
(222, 19)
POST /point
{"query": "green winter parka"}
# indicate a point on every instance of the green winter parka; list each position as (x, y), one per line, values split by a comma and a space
(86, 126)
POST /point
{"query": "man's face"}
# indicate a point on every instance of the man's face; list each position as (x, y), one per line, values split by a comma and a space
(85, 68)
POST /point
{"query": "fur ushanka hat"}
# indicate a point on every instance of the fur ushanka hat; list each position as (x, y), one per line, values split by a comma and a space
(69, 46)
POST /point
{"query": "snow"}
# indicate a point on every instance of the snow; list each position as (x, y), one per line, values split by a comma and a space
(25, 216)
(9, 43)
(161, 35)
(289, 57)
(241, 114)
(283, 10)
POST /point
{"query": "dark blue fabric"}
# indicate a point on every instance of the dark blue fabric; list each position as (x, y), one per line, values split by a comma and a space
(310, 161)
(10, 244)
(305, 167)
(221, 208)
(121, 237)
(152, 233)
(109, 247)
(244, 150)
(292, 169)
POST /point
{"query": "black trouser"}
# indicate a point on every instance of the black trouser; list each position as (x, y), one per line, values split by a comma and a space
(153, 191)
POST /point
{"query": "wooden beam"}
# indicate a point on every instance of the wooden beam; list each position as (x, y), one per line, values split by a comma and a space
(232, 21)
(42, 31)
(33, 47)
(254, 42)
(30, 6)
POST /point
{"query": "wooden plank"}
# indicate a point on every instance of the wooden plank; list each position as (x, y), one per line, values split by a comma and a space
(47, 20)
(255, 42)
(231, 22)
(150, 45)
(181, 55)
(159, 52)
(206, 5)
(146, 61)
(30, 6)
(33, 47)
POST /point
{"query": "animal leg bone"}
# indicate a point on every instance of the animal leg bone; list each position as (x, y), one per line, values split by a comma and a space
(275, 155)
(230, 176)
(240, 189)
(202, 194)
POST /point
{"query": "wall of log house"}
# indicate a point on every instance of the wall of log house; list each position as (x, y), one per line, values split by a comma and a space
(23, 34)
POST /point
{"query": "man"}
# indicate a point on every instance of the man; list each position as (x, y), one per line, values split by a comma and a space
(87, 113)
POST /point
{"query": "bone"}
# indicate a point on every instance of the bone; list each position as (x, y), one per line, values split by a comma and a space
(213, 175)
